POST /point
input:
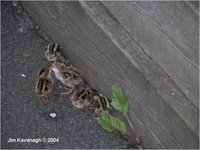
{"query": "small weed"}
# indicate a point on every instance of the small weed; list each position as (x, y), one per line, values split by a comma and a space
(111, 123)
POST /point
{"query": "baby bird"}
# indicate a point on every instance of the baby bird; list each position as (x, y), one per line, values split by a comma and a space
(101, 104)
(44, 83)
(68, 75)
(53, 53)
(89, 98)
(80, 97)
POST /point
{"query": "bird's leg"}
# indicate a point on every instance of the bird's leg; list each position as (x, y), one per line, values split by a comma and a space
(68, 91)
(90, 107)
(46, 99)
(78, 109)
(96, 115)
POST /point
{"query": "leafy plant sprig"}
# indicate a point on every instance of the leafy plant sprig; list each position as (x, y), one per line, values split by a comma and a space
(111, 123)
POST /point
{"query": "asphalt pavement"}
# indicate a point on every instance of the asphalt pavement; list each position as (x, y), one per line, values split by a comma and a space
(26, 116)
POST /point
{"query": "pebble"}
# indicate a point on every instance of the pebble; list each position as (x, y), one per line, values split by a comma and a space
(23, 75)
(53, 115)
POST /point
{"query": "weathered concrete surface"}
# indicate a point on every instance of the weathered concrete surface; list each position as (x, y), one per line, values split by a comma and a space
(23, 114)
(96, 41)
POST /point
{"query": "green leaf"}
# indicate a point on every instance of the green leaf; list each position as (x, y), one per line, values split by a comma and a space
(119, 101)
(106, 125)
(111, 123)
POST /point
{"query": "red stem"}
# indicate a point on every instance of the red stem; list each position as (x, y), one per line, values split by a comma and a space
(133, 136)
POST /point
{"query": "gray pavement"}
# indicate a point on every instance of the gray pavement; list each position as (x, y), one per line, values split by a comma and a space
(23, 114)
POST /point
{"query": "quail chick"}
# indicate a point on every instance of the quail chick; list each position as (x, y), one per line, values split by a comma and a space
(68, 75)
(80, 97)
(89, 98)
(44, 83)
(100, 104)
(53, 53)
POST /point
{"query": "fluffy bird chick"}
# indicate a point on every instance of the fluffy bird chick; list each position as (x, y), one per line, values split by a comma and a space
(68, 75)
(100, 104)
(80, 97)
(53, 53)
(89, 98)
(44, 83)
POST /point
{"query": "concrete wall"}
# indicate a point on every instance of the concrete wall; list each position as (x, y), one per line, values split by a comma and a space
(150, 49)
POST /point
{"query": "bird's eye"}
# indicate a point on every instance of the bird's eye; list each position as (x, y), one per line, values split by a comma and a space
(61, 67)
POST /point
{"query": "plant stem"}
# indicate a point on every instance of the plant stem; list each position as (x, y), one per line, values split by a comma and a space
(134, 133)
(129, 121)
